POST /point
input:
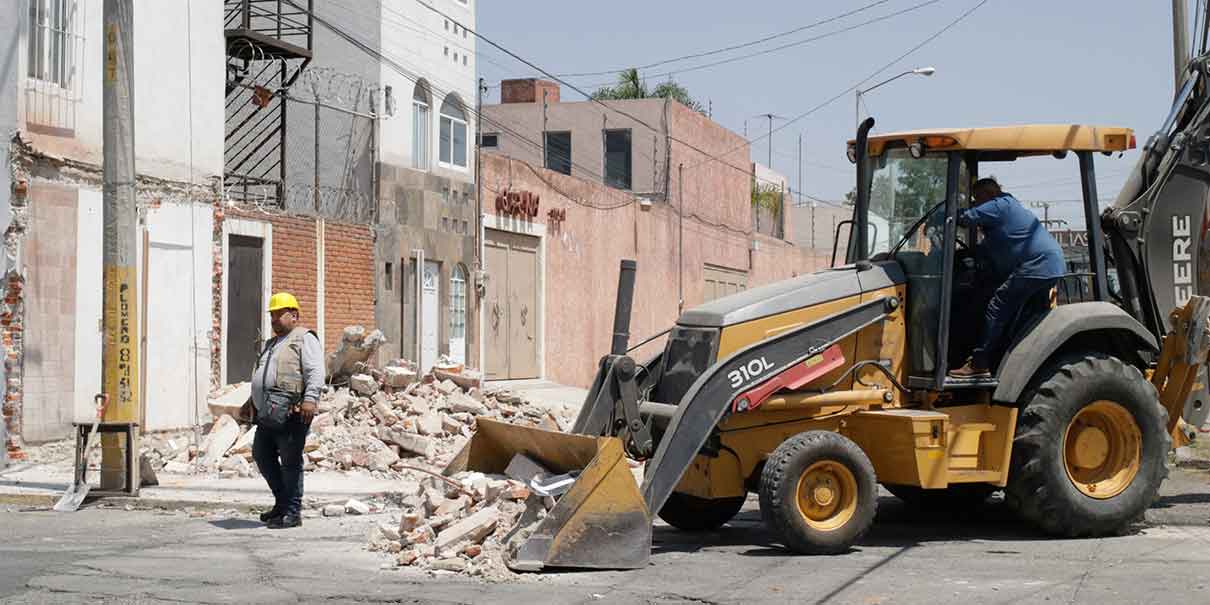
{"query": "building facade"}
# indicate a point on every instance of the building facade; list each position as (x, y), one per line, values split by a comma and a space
(50, 108)
(647, 179)
(375, 149)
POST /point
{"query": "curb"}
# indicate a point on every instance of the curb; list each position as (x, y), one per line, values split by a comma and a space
(144, 503)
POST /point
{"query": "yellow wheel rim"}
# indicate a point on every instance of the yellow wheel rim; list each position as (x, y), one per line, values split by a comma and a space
(827, 495)
(1102, 449)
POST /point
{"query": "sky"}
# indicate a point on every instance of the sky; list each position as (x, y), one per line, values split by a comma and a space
(1008, 62)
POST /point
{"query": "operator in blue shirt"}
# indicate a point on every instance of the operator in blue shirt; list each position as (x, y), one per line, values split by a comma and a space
(1021, 253)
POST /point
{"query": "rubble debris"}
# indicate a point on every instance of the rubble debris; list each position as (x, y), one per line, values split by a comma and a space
(357, 507)
(222, 436)
(523, 468)
(363, 384)
(356, 347)
(449, 564)
(470, 530)
(334, 510)
(466, 379)
(398, 377)
(146, 472)
(243, 445)
(230, 401)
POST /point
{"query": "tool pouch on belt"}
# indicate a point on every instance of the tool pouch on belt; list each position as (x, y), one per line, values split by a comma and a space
(278, 405)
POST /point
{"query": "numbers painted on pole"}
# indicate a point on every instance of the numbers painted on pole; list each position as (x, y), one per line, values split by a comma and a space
(748, 371)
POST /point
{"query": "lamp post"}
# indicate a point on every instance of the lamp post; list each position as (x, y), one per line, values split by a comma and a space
(919, 71)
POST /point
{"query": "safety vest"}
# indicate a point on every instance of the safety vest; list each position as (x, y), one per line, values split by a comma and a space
(289, 362)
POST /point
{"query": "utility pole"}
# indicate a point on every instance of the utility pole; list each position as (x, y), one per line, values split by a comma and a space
(770, 117)
(680, 239)
(479, 173)
(120, 313)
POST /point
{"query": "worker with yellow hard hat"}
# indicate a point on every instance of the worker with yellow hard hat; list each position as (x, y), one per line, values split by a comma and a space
(286, 385)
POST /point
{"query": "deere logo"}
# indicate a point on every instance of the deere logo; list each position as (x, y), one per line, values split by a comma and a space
(1182, 260)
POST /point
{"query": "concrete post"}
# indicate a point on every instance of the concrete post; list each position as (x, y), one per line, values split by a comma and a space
(119, 359)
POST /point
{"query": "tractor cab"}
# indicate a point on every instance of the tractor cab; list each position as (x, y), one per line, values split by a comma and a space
(911, 188)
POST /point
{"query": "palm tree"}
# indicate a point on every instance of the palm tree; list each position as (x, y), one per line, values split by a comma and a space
(630, 86)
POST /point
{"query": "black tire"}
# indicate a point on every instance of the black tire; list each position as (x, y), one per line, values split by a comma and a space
(956, 497)
(1040, 487)
(690, 513)
(779, 497)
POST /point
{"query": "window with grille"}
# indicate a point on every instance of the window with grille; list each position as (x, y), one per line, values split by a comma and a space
(558, 151)
(54, 53)
(617, 158)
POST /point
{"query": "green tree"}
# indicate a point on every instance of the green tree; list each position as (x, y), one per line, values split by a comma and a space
(630, 86)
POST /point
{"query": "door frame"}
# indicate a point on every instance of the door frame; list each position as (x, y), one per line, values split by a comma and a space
(247, 228)
(538, 230)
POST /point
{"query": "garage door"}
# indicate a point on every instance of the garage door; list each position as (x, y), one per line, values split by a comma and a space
(721, 281)
(511, 333)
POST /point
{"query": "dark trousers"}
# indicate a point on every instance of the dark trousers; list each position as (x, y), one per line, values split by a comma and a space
(278, 455)
(1002, 310)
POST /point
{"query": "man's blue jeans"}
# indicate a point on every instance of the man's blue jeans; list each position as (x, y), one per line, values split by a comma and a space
(1002, 310)
(278, 455)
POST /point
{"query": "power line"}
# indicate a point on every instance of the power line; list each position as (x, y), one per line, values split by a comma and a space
(724, 49)
(746, 171)
(885, 67)
(796, 43)
(415, 79)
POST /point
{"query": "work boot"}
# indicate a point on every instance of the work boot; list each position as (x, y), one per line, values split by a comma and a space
(970, 371)
(285, 521)
(270, 514)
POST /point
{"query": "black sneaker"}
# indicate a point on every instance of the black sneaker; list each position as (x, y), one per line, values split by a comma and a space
(285, 521)
(270, 514)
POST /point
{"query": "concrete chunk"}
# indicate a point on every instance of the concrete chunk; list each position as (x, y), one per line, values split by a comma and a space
(363, 384)
(429, 424)
(388, 532)
(334, 510)
(456, 564)
(398, 378)
(222, 436)
(356, 346)
(383, 412)
(243, 445)
(459, 402)
(452, 506)
(471, 530)
(411, 443)
(523, 468)
(416, 405)
(446, 387)
(357, 507)
(230, 403)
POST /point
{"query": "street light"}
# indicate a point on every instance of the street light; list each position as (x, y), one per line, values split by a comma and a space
(919, 71)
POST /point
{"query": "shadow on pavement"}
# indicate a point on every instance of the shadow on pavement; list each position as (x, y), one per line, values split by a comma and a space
(1170, 501)
(236, 524)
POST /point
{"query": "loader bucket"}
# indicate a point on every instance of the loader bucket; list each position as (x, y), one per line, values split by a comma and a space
(601, 522)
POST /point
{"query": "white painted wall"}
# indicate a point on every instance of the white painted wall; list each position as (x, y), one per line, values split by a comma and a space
(417, 38)
(178, 110)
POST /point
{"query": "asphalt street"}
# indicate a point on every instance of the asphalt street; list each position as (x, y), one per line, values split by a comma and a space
(984, 556)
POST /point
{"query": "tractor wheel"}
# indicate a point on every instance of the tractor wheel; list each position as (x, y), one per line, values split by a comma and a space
(690, 513)
(1088, 456)
(818, 493)
(956, 497)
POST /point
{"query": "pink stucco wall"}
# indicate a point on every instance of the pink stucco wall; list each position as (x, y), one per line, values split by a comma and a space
(604, 226)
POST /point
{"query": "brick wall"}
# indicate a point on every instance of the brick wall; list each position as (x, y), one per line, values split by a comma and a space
(348, 279)
(348, 274)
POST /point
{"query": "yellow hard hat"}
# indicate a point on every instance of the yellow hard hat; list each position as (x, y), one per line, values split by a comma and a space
(282, 300)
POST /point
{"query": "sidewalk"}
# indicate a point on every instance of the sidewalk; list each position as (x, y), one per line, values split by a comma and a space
(41, 484)
(542, 392)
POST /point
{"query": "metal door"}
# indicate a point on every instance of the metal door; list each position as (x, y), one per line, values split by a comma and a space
(523, 307)
(430, 312)
(495, 331)
(511, 333)
(245, 309)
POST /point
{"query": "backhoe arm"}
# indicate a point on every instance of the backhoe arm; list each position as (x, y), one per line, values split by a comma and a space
(1183, 355)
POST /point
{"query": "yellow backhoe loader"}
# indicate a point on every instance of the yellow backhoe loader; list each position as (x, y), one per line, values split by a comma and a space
(812, 391)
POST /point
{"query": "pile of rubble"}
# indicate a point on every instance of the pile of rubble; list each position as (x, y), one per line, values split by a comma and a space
(386, 421)
(466, 522)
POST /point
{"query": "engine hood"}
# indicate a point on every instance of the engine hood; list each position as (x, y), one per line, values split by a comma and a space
(791, 294)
